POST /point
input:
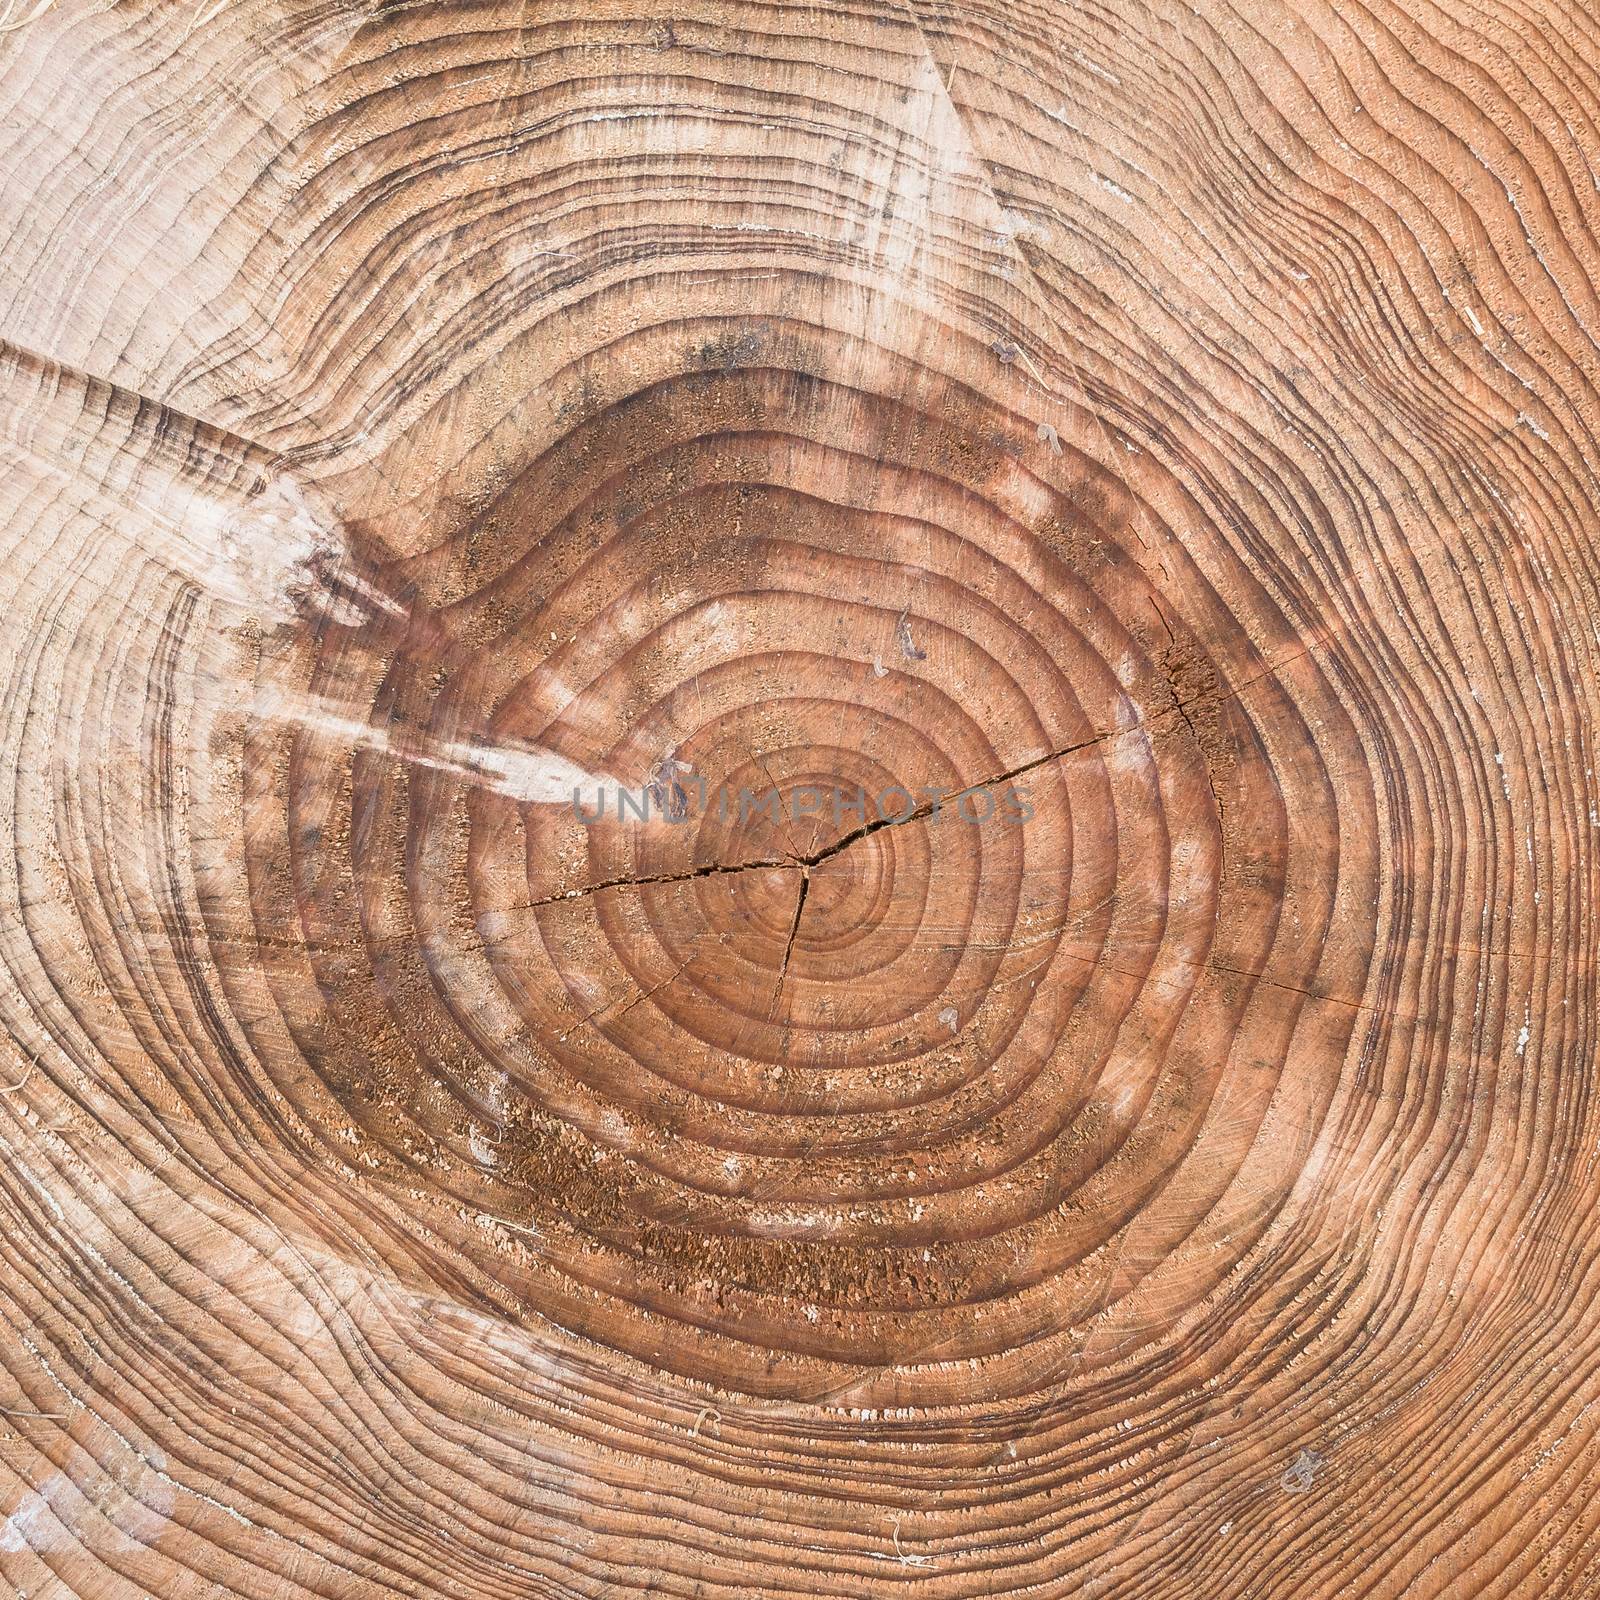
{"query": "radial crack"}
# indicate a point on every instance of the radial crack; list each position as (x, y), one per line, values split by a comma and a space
(713, 870)
(794, 927)
(802, 863)
(928, 807)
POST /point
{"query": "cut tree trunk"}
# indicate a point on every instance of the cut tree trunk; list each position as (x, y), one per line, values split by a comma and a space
(799, 799)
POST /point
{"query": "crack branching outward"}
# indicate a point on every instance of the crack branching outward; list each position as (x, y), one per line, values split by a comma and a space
(795, 862)
(794, 927)
(768, 864)
(928, 807)
(794, 933)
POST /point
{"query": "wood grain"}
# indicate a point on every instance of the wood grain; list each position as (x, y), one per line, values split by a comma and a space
(1172, 425)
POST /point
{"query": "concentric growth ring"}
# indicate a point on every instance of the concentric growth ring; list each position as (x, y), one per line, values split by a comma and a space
(845, 891)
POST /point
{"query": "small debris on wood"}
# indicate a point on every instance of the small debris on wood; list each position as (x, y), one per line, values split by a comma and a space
(1302, 1472)
(902, 633)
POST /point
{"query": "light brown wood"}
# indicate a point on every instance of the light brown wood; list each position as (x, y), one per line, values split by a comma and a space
(1156, 1158)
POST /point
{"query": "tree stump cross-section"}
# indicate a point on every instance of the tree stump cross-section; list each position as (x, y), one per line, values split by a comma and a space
(799, 799)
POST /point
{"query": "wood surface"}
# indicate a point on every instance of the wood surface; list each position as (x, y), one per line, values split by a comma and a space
(1180, 416)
